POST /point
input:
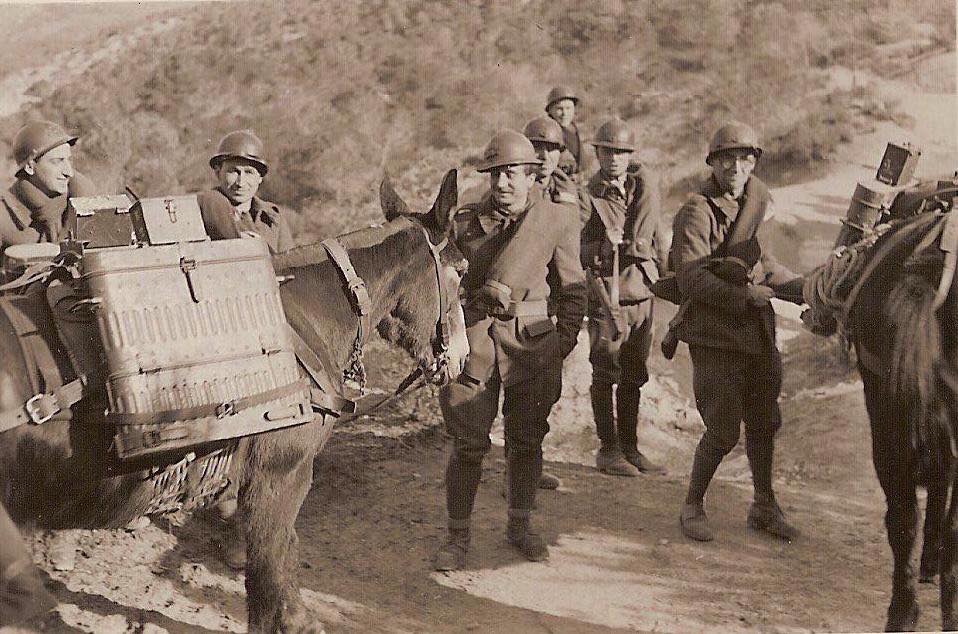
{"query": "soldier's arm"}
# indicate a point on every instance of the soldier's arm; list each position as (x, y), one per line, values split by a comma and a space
(284, 240)
(691, 253)
(786, 284)
(572, 297)
(590, 246)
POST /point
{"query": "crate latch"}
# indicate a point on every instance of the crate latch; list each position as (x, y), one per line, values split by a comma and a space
(187, 265)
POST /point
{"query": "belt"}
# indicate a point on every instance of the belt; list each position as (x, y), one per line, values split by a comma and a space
(529, 308)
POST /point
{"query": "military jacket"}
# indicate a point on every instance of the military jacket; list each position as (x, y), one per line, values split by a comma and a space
(505, 291)
(720, 314)
(558, 188)
(634, 212)
(264, 218)
(570, 161)
(27, 215)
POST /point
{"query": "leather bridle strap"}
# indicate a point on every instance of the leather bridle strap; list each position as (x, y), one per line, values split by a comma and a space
(359, 298)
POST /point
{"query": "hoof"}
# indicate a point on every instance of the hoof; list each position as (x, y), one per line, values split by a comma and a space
(902, 619)
(450, 557)
(531, 545)
(549, 482)
(695, 524)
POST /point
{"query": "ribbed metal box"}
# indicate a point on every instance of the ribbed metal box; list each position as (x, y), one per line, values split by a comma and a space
(196, 343)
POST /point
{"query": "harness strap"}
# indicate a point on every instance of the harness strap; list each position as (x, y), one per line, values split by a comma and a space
(33, 273)
(42, 367)
(43, 406)
(359, 297)
(327, 398)
(218, 410)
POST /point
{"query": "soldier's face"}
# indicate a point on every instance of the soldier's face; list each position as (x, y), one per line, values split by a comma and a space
(549, 154)
(52, 171)
(563, 111)
(239, 180)
(732, 169)
(510, 185)
(613, 163)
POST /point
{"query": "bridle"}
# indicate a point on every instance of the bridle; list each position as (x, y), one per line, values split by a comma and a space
(355, 287)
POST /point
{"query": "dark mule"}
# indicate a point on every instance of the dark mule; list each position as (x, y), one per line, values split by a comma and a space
(61, 474)
(904, 334)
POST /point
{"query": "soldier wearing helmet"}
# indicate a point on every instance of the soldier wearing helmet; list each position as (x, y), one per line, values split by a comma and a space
(34, 208)
(547, 139)
(730, 327)
(233, 207)
(620, 209)
(561, 106)
(510, 238)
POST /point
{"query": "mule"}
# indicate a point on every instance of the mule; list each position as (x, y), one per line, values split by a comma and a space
(902, 323)
(61, 474)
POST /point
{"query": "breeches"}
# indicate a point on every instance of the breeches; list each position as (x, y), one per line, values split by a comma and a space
(469, 409)
(628, 363)
(733, 387)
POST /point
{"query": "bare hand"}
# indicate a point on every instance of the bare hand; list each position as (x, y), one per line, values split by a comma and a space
(758, 296)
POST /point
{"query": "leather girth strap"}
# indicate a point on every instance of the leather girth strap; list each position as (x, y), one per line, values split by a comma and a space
(50, 394)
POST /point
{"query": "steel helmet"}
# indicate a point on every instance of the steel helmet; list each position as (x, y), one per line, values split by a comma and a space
(734, 135)
(36, 138)
(544, 130)
(559, 93)
(242, 144)
(508, 147)
(616, 135)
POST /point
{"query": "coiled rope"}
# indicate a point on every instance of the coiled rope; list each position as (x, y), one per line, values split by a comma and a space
(827, 288)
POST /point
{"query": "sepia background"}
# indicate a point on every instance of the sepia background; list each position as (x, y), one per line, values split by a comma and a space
(343, 92)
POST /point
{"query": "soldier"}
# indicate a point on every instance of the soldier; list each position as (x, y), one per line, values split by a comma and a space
(549, 143)
(622, 228)
(510, 238)
(560, 105)
(730, 329)
(34, 208)
(233, 207)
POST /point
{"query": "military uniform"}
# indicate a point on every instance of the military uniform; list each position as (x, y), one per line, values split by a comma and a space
(264, 218)
(514, 345)
(28, 215)
(634, 212)
(570, 161)
(737, 366)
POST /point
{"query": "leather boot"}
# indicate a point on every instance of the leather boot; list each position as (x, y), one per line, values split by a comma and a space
(695, 524)
(602, 413)
(766, 515)
(531, 545)
(611, 461)
(452, 554)
(627, 397)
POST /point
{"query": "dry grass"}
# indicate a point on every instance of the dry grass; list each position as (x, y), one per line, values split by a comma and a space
(342, 91)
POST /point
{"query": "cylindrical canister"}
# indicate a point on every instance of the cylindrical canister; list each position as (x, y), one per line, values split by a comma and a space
(865, 207)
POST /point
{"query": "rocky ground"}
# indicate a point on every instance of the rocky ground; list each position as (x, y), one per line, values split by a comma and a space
(619, 561)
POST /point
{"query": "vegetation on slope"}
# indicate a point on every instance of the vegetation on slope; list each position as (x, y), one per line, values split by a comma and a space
(341, 90)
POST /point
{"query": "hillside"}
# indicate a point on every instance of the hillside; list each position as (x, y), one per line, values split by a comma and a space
(341, 91)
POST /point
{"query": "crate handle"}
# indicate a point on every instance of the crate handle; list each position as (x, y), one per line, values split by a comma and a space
(187, 265)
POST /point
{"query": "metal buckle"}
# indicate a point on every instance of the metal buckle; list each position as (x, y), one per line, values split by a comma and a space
(38, 409)
(225, 409)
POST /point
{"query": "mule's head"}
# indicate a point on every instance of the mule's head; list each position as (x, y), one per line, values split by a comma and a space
(428, 322)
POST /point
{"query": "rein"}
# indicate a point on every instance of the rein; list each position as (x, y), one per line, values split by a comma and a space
(362, 306)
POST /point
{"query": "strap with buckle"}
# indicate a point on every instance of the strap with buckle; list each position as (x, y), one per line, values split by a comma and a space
(42, 407)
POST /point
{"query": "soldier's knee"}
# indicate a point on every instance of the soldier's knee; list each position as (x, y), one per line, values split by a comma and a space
(472, 449)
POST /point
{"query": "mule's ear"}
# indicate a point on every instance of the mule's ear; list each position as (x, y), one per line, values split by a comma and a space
(393, 206)
(446, 203)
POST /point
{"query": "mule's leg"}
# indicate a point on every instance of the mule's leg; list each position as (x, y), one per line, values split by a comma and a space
(894, 461)
(931, 546)
(278, 474)
(949, 544)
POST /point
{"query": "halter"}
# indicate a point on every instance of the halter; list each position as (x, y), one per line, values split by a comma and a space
(362, 306)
